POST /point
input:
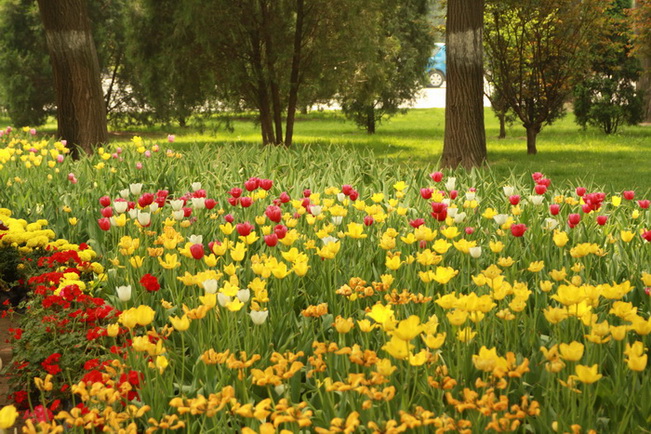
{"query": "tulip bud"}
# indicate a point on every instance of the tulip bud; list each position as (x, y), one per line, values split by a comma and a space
(210, 203)
(475, 252)
(196, 250)
(259, 316)
(354, 195)
(453, 194)
(284, 197)
(580, 191)
(629, 195)
(368, 220)
(540, 189)
(243, 295)
(602, 219)
(105, 201)
(346, 189)
(514, 199)
(107, 212)
(554, 209)
(426, 193)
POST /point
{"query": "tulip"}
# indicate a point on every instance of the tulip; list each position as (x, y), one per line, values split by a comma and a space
(187, 211)
(602, 219)
(629, 195)
(144, 218)
(508, 190)
(138, 165)
(223, 299)
(646, 235)
(540, 189)
(259, 316)
(368, 220)
(244, 229)
(107, 212)
(124, 292)
(518, 230)
(251, 184)
(196, 250)
(210, 203)
(229, 218)
(284, 197)
(416, 223)
(536, 200)
(280, 231)
(274, 213)
(135, 189)
(514, 199)
(500, 219)
(171, 138)
(266, 184)
(536, 176)
(426, 193)
(453, 194)
(8, 416)
(341, 197)
(470, 230)
(271, 240)
(145, 199)
(452, 212)
(243, 295)
(450, 183)
(554, 209)
(336, 220)
(307, 192)
(104, 224)
(354, 195)
(573, 220)
(210, 286)
(475, 252)
(180, 324)
(105, 201)
(580, 191)
(471, 195)
(198, 202)
(436, 176)
(644, 203)
(60, 158)
(246, 201)
(316, 210)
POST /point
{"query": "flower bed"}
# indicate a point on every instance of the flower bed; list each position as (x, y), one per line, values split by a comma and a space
(384, 303)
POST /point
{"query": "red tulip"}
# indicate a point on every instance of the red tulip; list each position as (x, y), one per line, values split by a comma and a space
(629, 195)
(470, 231)
(436, 176)
(307, 192)
(266, 184)
(368, 220)
(346, 189)
(104, 224)
(514, 199)
(544, 181)
(197, 251)
(644, 203)
(284, 197)
(150, 283)
(271, 240)
(210, 203)
(554, 209)
(453, 194)
(244, 229)
(251, 184)
(234, 200)
(235, 192)
(602, 219)
(305, 202)
(573, 220)
(416, 223)
(246, 201)
(280, 231)
(274, 213)
(187, 212)
(354, 195)
(426, 193)
(580, 191)
(105, 201)
(536, 176)
(107, 212)
(647, 235)
(540, 189)
(229, 218)
(145, 199)
(518, 230)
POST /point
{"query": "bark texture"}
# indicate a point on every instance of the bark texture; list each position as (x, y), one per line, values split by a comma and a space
(464, 142)
(81, 109)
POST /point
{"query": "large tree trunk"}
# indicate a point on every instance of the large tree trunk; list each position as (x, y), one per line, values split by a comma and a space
(464, 143)
(370, 120)
(502, 118)
(81, 110)
(294, 75)
(271, 70)
(644, 84)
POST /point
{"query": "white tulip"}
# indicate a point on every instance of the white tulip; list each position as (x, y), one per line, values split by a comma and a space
(259, 316)
(550, 224)
(210, 286)
(536, 199)
(196, 186)
(120, 206)
(471, 195)
(450, 183)
(124, 292)
(178, 215)
(124, 193)
(196, 239)
(198, 202)
(176, 204)
(500, 219)
(341, 197)
(243, 295)
(508, 190)
(133, 213)
(475, 252)
(153, 207)
(452, 212)
(329, 239)
(135, 188)
(223, 299)
(336, 220)
(460, 217)
(144, 218)
(316, 210)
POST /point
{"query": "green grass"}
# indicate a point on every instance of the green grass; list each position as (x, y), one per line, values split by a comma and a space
(565, 151)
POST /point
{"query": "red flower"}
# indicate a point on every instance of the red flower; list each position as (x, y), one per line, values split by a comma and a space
(602, 219)
(518, 230)
(347, 189)
(271, 240)
(644, 203)
(266, 184)
(629, 195)
(246, 201)
(554, 209)
(274, 213)
(104, 224)
(244, 229)
(514, 199)
(51, 364)
(150, 283)
(368, 220)
(647, 235)
(105, 201)
(235, 192)
(280, 231)
(251, 184)
(540, 189)
(580, 191)
(573, 220)
(436, 176)
(426, 193)
(197, 251)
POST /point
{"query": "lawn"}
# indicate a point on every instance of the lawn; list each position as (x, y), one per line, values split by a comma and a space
(566, 152)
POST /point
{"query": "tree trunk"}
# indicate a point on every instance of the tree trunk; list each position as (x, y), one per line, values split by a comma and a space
(464, 143)
(502, 118)
(277, 112)
(370, 120)
(294, 75)
(532, 133)
(81, 110)
(644, 84)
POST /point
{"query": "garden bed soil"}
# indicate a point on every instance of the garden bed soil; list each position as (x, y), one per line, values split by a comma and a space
(5, 355)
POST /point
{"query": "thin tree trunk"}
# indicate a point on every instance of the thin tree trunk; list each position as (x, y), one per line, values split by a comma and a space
(294, 75)
(532, 133)
(81, 110)
(266, 124)
(502, 118)
(370, 120)
(277, 112)
(644, 84)
(464, 143)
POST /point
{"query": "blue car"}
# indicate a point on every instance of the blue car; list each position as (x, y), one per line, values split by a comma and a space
(436, 66)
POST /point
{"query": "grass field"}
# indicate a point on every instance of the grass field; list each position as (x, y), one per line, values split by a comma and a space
(566, 152)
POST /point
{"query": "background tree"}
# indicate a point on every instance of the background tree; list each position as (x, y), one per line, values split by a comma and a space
(26, 89)
(641, 14)
(607, 98)
(275, 56)
(392, 72)
(464, 142)
(536, 53)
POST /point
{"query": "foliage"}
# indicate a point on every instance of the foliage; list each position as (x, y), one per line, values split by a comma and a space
(25, 74)
(391, 73)
(608, 98)
(536, 52)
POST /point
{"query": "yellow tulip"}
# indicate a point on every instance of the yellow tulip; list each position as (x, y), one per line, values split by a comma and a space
(180, 324)
(408, 328)
(587, 374)
(8, 416)
(398, 348)
(571, 352)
